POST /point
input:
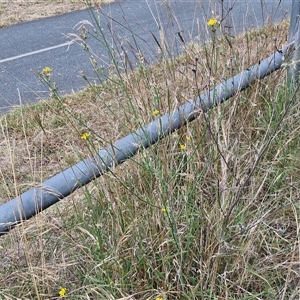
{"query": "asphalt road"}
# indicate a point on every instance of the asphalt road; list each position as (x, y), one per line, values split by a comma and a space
(129, 27)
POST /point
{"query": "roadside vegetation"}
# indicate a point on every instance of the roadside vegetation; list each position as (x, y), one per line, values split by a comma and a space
(210, 212)
(16, 11)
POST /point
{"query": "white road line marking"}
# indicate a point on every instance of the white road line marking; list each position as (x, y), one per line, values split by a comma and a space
(35, 52)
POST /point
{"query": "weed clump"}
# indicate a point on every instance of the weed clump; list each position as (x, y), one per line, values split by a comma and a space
(209, 212)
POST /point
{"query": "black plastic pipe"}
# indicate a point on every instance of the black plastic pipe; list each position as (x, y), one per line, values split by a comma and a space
(63, 184)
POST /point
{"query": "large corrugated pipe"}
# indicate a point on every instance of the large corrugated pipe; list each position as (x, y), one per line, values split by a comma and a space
(63, 184)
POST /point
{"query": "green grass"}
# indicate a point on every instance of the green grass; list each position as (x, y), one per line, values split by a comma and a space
(216, 220)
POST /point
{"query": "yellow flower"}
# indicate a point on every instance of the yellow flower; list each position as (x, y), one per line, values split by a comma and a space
(46, 70)
(188, 138)
(155, 112)
(85, 136)
(183, 147)
(212, 22)
(164, 210)
(62, 292)
(159, 298)
(111, 283)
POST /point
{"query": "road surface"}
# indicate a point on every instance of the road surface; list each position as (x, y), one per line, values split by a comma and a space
(129, 27)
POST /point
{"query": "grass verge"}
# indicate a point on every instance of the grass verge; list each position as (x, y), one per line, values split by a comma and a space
(16, 11)
(210, 212)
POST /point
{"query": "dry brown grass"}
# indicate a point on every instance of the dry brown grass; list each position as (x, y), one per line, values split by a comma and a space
(16, 11)
(45, 138)
(111, 240)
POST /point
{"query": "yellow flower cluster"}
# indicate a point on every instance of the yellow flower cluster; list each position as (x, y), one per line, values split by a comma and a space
(46, 70)
(183, 147)
(85, 136)
(212, 22)
(155, 112)
(62, 292)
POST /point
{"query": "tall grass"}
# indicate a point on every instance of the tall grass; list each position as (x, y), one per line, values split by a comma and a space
(210, 212)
